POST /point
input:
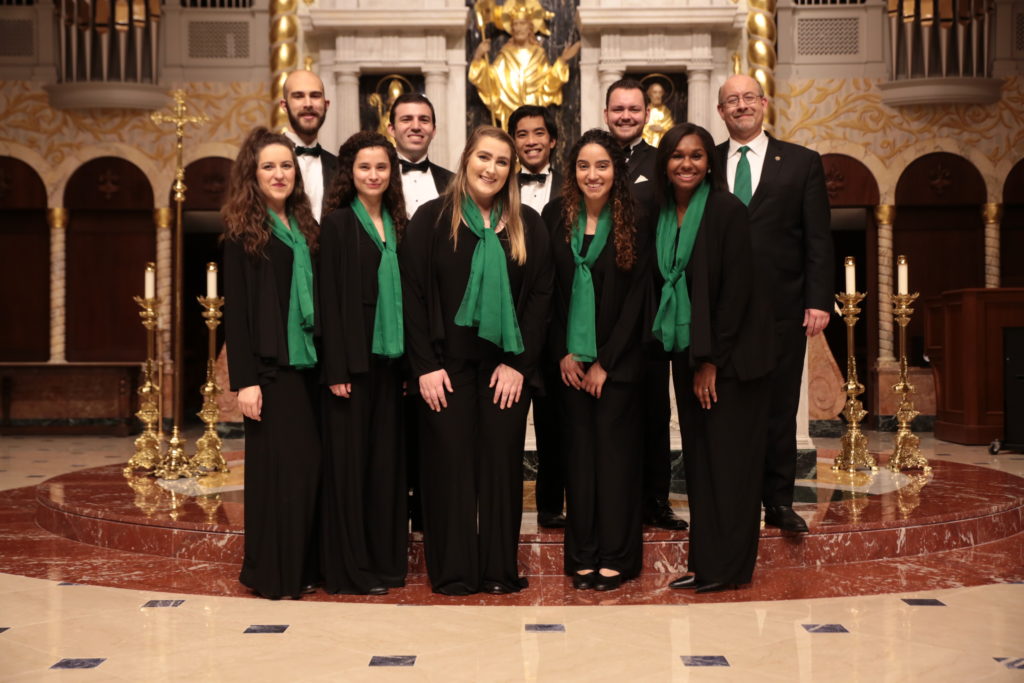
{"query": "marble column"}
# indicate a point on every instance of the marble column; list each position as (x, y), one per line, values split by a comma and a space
(803, 420)
(698, 94)
(607, 74)
(163, 218)
(347, 115)
(435, 83)
(328, 136)
(993, 213)
(884, 216)
(58, 219)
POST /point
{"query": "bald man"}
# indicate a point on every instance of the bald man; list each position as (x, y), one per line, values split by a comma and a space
(306, 106)
(783, 186)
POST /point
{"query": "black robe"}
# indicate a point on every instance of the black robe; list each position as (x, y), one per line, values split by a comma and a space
(364, 526)
(282, 448)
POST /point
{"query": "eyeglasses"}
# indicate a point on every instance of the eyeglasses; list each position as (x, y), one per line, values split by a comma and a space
(747, 97)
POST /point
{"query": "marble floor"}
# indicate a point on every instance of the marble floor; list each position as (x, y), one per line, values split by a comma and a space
(963, 632)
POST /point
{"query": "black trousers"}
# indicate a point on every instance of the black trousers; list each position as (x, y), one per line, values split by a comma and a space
(547, 425)
(471, 470)
(282, 470)
(604, 527)
(364, 522)
(784, 402)
(722, 448)
(654, 441)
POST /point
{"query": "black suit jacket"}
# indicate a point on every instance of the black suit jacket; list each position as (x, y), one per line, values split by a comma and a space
(789, 228)
(329, 166)
(731, 322)
(442, 177)
(641, 163)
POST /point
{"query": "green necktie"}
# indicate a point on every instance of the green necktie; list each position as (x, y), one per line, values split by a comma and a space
(741, 185)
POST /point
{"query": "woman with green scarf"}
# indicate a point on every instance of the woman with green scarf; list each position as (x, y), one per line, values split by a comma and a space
(476, 282)
(601, 247)
(714, 319)
(269, 319)
(363, 521)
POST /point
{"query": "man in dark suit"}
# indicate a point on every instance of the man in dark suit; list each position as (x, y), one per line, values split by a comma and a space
(626, 111)
(535, 134)
(783, 186)
(306, 106)
(412, 124)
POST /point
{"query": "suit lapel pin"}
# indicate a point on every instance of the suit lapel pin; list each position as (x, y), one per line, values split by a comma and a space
(778, 158)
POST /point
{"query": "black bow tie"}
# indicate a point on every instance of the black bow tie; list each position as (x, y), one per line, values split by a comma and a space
(311, 151)
(421, 166)
(533, 178)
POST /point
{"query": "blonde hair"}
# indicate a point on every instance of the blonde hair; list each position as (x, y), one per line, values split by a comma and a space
(507, 197)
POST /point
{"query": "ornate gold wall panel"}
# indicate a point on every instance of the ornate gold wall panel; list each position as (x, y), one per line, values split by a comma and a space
(847, 116)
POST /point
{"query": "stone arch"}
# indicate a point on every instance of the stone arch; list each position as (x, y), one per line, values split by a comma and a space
(1011, 228)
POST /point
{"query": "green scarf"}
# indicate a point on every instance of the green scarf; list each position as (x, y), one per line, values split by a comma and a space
(674, 246)
(301, 352)
(581, 334)
(487, 303)
(388, 334)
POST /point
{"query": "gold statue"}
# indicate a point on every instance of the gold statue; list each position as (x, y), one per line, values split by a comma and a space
(521, 73)
(660, 120)
(396, 87)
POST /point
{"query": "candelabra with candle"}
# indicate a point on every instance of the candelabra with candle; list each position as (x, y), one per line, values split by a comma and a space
(906, 454)
(853, 454)
(208, 457)
(147, 445)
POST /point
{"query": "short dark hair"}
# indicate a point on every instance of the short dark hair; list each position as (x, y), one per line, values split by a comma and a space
(626, 84)
(528, 110)
(410, 97)
(669, 142)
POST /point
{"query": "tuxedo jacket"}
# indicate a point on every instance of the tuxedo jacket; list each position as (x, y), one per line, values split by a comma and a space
(641, 165)
(442, 177)
(789, 228)
(329, 165)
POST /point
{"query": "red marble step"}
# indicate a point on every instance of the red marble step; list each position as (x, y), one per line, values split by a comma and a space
(962, 506)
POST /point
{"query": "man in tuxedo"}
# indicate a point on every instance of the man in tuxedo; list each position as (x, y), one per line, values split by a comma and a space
(783, 186)
(535, 134)
(626, 111)
(306, 106)
(412, 125)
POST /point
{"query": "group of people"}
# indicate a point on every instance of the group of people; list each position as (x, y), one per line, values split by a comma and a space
(388, 324)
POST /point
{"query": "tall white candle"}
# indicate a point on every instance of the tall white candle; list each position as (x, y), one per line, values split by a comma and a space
(851, 276)
(211, 280)
(150, 288)
(902, 275)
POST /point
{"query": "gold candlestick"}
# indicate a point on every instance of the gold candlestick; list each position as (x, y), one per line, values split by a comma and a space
(853, 454)
(906, 454)
(208, 457)
(147, 445)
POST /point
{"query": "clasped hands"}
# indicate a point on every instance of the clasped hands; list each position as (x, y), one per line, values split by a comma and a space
(506, 381)
(592, 381)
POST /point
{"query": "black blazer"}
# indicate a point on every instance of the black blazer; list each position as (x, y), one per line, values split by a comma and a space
(641, 163)
(329, 166)
(442, 177)
(731, 323)
(621, 299)
(428, 232)
(789, 228)
(557, 181)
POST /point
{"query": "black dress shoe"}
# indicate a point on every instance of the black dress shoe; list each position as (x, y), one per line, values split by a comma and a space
(714, 587)
(377, 590)
(684, 582)
(785, 518)
(607, 583)
(495, 588)
(582, 582)
(550, 521)
(661, 515)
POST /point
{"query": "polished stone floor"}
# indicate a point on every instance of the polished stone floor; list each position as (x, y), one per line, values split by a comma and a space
(971, 631)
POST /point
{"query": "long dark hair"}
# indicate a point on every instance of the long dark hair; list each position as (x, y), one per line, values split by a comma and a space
(663, 186)
(343, 189)
(623, 215)
(245, 211)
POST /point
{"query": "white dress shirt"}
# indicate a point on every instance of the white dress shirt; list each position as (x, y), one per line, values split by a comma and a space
(536, 195)
(418, 188)
(312, 175)
(755, 156)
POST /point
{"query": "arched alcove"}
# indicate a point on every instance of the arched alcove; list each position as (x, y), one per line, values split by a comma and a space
(1011, 232)
(110, 238)
(24, 264)
(940, 228)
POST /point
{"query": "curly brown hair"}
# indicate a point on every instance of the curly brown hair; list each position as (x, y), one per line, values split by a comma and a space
(245, 211)
(623, 214)
(343, 190)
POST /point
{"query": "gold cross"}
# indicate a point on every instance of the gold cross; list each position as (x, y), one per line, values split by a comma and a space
(179, 119)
